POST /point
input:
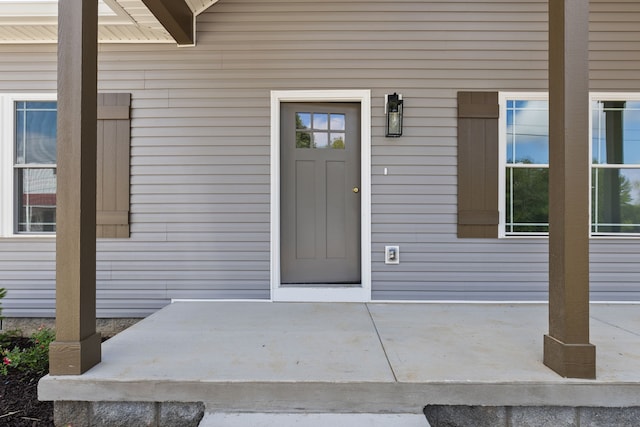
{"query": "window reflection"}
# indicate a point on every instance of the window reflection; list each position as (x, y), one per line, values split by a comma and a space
(36, 132)
(35, 166)
(527, 132)
(320, 121)
(303, 139)
(36, 190)
(615, 191)
(303, 120)
(318, 130)
(615, 175)
(337, 141)
(616, 132)
(527, 200)
(320, 140)
(338, 122)
(615, 200)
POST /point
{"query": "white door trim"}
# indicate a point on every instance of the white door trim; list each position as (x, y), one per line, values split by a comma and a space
(342, 294)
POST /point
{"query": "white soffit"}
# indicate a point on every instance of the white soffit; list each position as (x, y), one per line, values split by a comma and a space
(120, 21)
(199, 6)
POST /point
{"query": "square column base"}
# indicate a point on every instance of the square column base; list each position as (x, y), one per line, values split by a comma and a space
(75, 357)
(570, 360)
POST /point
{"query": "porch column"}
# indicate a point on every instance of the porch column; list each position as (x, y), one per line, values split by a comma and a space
(566, 348)
(77, 345)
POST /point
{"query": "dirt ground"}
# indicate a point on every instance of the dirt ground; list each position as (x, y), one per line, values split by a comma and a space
(19, 405)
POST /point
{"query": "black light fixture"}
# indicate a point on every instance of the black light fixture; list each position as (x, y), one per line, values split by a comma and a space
(393, 110)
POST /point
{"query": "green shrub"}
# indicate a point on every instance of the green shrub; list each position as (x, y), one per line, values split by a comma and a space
(34, 358)
(7, 337)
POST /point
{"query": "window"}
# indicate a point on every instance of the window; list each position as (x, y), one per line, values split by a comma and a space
(615, 168)
(615, 175)
(526, 170)
(28, 164)
(320, 130)
(35, 166)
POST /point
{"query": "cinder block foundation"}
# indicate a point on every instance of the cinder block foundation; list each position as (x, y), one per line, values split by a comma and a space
(531, 416)
(28, 325)
(123, 414)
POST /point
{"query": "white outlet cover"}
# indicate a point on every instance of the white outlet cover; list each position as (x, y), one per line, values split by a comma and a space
(392, 254)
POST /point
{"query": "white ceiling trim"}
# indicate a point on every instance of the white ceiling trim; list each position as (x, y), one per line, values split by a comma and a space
(41, 12)
(120, 21)
(199, 6)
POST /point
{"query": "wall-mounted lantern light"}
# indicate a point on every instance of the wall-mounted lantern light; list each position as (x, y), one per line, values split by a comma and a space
(393, 110)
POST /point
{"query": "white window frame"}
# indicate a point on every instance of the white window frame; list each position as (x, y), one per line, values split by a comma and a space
(607, 96)
(502, 158)
(7, 156)
(502, 164)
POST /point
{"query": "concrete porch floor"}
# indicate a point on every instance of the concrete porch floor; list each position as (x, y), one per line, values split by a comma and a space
(354, 358)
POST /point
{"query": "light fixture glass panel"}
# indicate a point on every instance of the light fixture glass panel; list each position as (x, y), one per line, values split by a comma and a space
(394, 123)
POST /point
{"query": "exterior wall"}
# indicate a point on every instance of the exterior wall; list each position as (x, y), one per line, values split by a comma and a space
(200, 147)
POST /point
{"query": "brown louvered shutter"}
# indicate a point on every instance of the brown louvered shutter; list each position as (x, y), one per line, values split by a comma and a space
(478, 164)
(112, 192)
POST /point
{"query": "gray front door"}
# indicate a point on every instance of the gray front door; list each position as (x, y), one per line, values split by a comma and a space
(320, 194)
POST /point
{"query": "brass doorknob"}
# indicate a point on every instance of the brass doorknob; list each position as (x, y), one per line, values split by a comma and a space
(356, 190)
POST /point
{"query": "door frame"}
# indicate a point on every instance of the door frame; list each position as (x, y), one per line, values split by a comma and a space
(325, 294)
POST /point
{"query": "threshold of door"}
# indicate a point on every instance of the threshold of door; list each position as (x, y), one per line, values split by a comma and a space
(321, 285)
(316, 293)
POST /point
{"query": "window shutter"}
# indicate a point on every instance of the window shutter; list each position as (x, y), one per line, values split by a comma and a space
(112, 192)
(478, 164)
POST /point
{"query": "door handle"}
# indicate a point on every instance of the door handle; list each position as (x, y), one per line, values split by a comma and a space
(356, 190)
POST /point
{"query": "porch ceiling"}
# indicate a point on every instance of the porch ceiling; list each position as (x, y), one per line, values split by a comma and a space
(120, 21)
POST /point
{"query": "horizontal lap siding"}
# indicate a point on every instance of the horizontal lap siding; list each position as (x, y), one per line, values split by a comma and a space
(414, 48)
(27, 266)
(200, 146)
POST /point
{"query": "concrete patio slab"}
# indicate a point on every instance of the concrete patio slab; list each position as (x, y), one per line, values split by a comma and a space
(353, 358)
(425, 344)
(498, 342)
(248, 342)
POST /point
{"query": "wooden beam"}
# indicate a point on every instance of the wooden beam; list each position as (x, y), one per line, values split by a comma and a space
(77, 346)
(566, 348)
(176, 17)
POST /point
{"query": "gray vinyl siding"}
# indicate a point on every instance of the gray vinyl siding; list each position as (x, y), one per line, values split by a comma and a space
(200, 166)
